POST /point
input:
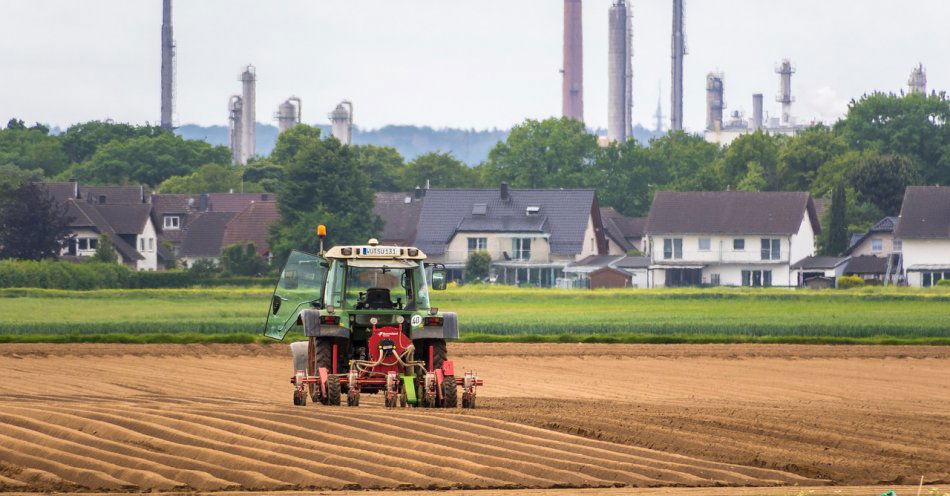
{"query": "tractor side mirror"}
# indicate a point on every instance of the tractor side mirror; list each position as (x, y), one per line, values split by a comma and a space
(438, 280)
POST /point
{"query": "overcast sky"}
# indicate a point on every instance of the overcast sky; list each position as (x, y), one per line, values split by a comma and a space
(454, 63)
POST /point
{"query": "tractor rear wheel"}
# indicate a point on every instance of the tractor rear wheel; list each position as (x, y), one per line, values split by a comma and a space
(450, 397)
(439, 353)
(320, 354)
(333, 390)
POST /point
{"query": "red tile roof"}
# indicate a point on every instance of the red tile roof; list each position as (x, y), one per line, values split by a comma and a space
(252, 225)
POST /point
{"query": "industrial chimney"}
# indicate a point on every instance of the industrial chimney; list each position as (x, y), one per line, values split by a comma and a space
(248, 114)
(679, 50)
(757, 112)
(572, 85)
(619, 73)
(168, 64)
(288, 114)
(918, 80)
(341, 122)
(235, 128)
(785, 71)
(714, 101)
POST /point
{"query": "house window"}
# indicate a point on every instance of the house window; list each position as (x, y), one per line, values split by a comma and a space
(151, 244)
(172, 222)
(928, 279)
(738, 244)
(477, 244)
(672, 248)
(93, 243)
(757, 278)
(898, 245)
(141, 244)
(83, 243)
(714, 279)
(704, 244)
(877, 245)
(521, 247)
(771, 249)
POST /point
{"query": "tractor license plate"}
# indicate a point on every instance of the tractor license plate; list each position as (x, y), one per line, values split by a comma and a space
(377, 251)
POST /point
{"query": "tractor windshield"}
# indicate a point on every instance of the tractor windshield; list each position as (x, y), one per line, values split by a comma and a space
(377, 285)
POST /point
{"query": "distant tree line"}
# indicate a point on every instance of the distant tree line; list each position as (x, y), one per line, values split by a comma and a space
(863, 163)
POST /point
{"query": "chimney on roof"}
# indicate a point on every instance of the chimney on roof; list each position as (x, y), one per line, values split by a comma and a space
(504, 191)
(203, 202)
(265, 197)
(142, 193)
(419, 192)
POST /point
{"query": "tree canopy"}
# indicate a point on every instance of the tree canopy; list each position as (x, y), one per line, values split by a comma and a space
(33, 226)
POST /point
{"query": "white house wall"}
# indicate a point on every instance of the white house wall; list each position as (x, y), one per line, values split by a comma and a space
(150, 252)
(802, 243)
(924, 252)
(456, 251)
(589, 247)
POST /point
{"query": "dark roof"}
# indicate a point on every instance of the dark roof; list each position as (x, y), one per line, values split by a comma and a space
(126, 219)
(622, 229)
(204, 235)
(885, 225)
(730, 212)
(866, 264)
(252, 226)
(630, 262)
(235, 202)
(400, 215)
(484, 223)
(61, 191)
(173, 203)
(87, 215)
(925, 213)
(817, 262)
(566, 213)
(115, 195)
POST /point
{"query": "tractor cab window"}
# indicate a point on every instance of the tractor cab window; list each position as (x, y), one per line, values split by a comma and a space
(380, 285)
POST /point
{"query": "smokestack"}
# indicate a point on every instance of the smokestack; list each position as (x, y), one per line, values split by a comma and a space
(619, 73)
(757, 113)
(679, 50)
(235, 127)
(572, 86)
(248, 114)
(714, 101)
(168, 55)
(785, 71)
(341, 122)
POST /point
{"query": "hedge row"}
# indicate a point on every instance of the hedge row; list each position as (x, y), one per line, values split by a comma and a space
(96, 275)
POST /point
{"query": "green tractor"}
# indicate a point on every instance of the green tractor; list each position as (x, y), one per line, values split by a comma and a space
(370, 328)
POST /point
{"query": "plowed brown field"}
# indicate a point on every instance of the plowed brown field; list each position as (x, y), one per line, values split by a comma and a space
(219, 418)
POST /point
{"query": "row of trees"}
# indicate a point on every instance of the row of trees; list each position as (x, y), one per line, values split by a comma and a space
(864, 162)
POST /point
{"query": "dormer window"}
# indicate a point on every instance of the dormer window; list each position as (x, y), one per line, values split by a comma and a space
(480, 209)
(532, 210)
(172, 222)
(102, 199)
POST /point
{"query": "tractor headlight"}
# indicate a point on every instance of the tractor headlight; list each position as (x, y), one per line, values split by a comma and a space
(400, 319)
(373, 320)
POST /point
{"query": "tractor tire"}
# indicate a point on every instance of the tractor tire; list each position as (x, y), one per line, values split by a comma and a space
(450, 397)
(300, 398)
(468, 402)
(352, 398)
(333, 391)
(439, 353)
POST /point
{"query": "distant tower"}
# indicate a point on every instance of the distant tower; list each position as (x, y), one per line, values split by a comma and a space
(757, 112)
(619, 73)
(288, 114)
(235, 128)
(572, 85)
(168, 65)
(714, 101)
(679, 50)
(785, 71)
(658, 128)
(248, 114)
(917, 83)
(341, 122)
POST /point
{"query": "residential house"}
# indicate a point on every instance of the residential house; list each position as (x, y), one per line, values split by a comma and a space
(878, 241)
(252, 225)
(731, 238)
(203, 238)
(530, 234)
(121, 212)
(624, 234)
(871, 268)
(923, 230)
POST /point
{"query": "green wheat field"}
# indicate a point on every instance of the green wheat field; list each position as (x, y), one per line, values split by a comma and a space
(868, 315)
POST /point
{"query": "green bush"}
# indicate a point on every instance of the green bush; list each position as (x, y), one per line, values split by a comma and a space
(848, 282)
(51, 274)
(944, 282)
